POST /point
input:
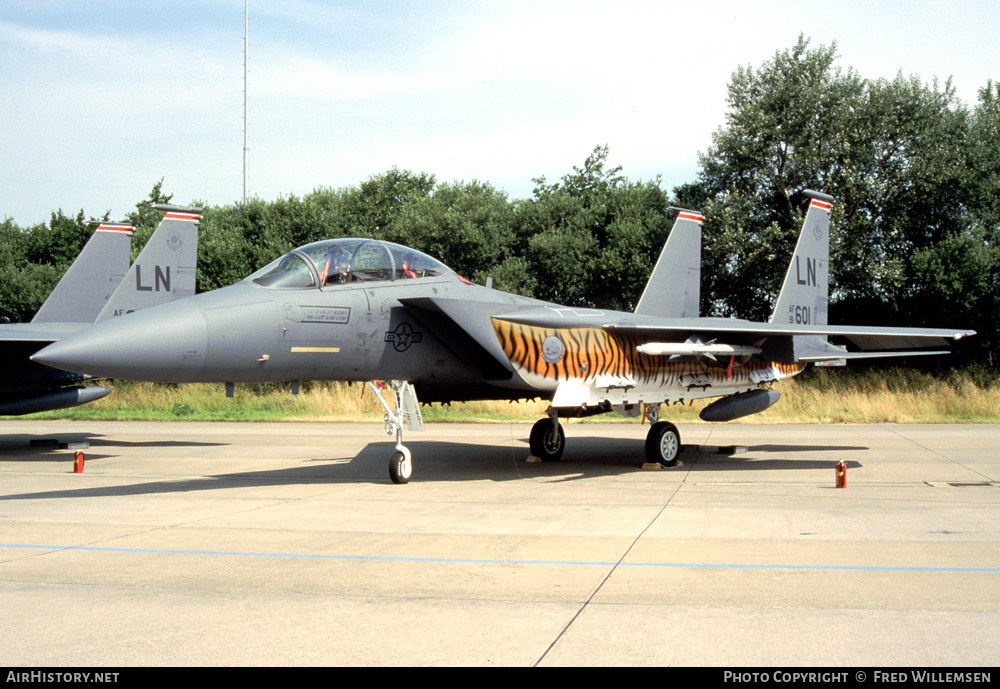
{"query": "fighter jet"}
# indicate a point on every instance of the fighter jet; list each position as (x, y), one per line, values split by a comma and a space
(367, 310)
(98, 285)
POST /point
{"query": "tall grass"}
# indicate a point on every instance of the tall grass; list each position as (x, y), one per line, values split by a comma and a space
(817, 396)
(896, 395)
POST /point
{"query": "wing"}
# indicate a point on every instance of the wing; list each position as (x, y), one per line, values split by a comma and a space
(733, 337)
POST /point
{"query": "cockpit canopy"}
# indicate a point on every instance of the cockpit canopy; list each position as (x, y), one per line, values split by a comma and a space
(346, 261)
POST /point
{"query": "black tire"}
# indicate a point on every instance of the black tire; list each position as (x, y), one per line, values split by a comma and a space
(547, 440)
(400, 468)
(663, 444)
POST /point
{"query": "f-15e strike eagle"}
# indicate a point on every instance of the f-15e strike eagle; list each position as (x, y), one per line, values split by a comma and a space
(98, 285)
(365, 310)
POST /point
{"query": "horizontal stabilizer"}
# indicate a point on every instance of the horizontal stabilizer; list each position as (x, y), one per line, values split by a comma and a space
(870, 355)
(46, 333)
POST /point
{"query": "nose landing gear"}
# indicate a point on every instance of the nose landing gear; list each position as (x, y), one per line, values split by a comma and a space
(400, 464)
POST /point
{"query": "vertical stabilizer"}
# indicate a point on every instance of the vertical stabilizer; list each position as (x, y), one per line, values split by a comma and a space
(165, 269)
(674, 288)
(92, 278)
(806, 291)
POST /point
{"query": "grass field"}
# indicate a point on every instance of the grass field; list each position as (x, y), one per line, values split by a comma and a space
(817, 396)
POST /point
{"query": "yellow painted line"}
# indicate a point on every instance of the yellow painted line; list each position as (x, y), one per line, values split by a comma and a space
(315, 350)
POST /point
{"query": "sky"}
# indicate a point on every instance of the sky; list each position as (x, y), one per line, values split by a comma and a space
(99, 100)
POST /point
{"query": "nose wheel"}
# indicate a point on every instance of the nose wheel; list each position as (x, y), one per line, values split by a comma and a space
(400, 466)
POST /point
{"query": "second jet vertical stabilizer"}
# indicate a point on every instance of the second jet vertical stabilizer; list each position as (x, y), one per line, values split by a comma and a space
(674, 287)
(92, 278)
(165, 269)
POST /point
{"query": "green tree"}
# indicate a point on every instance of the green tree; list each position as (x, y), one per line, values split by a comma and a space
(371, 209)
(33, 260)
(467, 225)
(592, 238)
(145, 218)
(25, 283)
(226, 250)
(898, 158)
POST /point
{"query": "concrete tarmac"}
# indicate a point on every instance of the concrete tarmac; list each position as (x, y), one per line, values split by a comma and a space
(286, 544)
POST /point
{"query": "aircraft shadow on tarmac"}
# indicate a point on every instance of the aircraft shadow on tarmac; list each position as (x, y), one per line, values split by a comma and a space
(585, 458)
(19, 447)
(807, 448)
(603, 456)
(708, 458)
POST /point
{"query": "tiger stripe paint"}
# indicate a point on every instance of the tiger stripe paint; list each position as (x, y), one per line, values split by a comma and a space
(598, 358)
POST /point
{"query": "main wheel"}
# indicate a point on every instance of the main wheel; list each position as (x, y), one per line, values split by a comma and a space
(400, 467)
(663, 443)
(547, 440)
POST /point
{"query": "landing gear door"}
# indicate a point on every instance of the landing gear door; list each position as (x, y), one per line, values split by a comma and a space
(411, 408)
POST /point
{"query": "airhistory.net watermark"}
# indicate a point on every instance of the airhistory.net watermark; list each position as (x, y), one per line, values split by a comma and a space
(46, 676)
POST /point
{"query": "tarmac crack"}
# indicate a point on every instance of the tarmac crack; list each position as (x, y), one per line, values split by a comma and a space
(607, 576)
(939, 454)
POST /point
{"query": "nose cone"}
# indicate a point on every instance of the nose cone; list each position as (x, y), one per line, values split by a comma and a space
(164, 343)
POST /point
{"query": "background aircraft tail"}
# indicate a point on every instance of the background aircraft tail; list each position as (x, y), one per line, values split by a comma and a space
(165, 269)
(85, 288)
(674, 287)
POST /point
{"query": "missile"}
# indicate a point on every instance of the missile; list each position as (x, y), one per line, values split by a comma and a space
(691, 348)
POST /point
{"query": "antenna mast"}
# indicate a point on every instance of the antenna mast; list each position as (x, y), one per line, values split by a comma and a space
(246, 48)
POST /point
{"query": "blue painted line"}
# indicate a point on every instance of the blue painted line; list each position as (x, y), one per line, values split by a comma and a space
(475, 561)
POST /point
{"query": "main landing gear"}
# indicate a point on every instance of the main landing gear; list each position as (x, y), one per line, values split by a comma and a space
(663, 442)
(547, 439)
